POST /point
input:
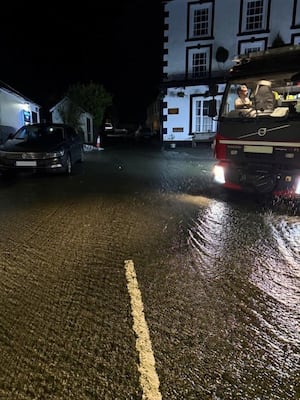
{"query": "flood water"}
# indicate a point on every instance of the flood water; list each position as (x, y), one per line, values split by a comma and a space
(218, 273)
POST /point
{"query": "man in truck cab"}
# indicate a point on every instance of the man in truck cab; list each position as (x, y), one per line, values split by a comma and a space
(242, 101)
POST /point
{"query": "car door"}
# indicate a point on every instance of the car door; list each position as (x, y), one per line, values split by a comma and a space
(75, 144)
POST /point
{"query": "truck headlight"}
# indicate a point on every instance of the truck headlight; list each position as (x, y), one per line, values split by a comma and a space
(297, 190)
(219, 174)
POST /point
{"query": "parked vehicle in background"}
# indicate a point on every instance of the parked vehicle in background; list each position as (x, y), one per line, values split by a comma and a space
(44, 147)
(110, 129)
(144, 132)
(257, 148)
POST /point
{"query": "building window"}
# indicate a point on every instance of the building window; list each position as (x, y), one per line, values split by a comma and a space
(26, 117)
(252, 46)
(296, 38)
(254, 15)
(296, 14)
(249, 50)
(202, 123)
(199, 65)
(198, 62)
(200, 20)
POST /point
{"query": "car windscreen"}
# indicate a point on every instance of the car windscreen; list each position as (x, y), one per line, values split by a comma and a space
(41, 134)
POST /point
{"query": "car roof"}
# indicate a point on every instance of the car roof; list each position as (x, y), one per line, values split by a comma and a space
(42, 124)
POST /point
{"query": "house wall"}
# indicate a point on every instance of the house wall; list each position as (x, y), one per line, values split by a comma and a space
(179, 110)
(55, 116)
(15, 111)
(181, 94)
(86, 121)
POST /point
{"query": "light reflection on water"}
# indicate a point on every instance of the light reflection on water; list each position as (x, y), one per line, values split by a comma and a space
(255, 259)
(277, 273)
(206, 235)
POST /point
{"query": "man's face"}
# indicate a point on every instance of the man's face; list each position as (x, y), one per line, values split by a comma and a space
(244, 90)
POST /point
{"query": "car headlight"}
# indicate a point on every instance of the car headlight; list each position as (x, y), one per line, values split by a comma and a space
(55, 154)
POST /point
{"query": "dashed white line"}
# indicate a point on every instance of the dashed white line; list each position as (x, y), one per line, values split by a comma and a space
(148, 377)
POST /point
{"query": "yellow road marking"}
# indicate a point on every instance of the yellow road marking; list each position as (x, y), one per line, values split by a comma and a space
(148, 377)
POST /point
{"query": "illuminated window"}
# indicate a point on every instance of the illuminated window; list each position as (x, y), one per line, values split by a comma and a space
(26, 116)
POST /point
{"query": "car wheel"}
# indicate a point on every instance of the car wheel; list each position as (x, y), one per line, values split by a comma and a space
(69, 166)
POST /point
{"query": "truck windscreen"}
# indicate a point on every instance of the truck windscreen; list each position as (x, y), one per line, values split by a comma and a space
(272, 98)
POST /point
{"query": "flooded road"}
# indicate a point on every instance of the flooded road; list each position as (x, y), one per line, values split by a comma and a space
(218, 276)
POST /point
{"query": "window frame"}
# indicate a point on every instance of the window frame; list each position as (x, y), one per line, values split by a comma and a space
(265, 17)
(194, 7)
(197, 50)
(296, 14)
(196, 100)
(260, 44)
(295, 38)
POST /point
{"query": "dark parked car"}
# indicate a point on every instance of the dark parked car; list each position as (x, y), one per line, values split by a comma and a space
(44, 147)
(144, 133)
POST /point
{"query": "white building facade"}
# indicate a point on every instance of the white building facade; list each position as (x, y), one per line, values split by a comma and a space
(16, 110)
(201, 40)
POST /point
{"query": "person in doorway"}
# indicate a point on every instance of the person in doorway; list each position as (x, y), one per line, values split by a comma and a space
(242, 101)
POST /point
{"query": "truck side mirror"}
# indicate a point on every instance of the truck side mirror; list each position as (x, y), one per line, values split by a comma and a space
(213, 89)
(212, 108)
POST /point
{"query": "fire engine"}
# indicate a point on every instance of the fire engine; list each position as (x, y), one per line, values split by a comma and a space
(257, 144)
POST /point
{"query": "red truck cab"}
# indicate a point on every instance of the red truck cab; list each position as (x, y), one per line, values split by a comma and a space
(257, 146)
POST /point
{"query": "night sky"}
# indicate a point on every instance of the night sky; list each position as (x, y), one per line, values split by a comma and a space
(46, 47)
